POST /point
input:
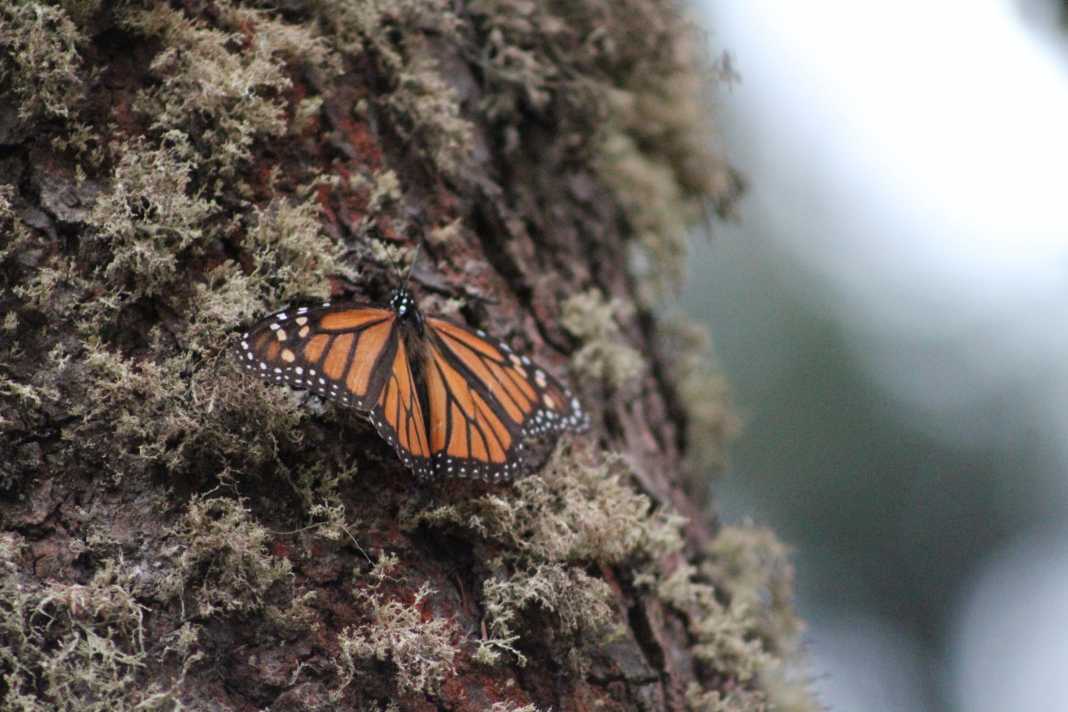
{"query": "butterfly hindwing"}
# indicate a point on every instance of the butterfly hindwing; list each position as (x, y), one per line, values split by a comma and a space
(398, 414)
(486, 405)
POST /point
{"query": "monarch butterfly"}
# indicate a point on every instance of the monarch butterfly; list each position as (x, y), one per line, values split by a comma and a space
(451, 401)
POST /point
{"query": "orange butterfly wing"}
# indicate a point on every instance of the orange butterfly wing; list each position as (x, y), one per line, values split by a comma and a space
(477, 412)
(352, 354)
(398, 416)
(485, 405)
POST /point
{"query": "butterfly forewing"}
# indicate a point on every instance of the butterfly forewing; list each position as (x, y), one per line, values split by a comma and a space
(332, 351)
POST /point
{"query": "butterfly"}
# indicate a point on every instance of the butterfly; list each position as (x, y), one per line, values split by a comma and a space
(450, 400)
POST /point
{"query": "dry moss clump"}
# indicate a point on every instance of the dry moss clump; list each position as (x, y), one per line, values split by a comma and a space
(622, 85)
(604, 355)
(576, 510)
(290, 253)
(421, 647)
(175, 415)
(399, 36)
(220, 561)
(552, 529)
(150, 222)
(68, 646)
(738, 604)
(753, 568)
(581, 606)
(723, 634)
(223, 84)
(41, 67)
(710, 422)
(545, 532)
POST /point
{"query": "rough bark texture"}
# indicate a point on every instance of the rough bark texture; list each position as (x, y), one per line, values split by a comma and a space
(175, 535)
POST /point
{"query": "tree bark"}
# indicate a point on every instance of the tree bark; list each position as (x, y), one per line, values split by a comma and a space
(176, 535)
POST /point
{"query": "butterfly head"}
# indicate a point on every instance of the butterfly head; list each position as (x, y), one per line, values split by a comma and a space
(403, 304)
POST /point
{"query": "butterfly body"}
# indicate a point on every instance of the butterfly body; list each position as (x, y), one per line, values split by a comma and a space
(450, 400)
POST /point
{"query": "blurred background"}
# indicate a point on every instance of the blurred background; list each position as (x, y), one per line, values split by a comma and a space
(892, 313)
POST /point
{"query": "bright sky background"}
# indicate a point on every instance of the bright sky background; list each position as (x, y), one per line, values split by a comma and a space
(924, 144)
(913, 157)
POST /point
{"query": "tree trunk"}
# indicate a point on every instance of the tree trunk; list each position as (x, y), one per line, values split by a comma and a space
(177, 535)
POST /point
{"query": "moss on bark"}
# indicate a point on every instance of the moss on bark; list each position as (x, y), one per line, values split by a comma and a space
(176, 536)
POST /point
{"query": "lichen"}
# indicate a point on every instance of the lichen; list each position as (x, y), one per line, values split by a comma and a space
(724, 636)
(290, 254)
(220, 560)
(148, 222)
(40, 64)
(423, 107)
(421, 647)
(740, 700)
(223, 85)
(70, 646)
(622, 84)
(738, 605)
(659, 151)
(578, 509)
(710, 420)
(175, 413)
(81, 12)
(319, 486)
(577, 512)
(604, 354)
(513, 707)
(753, 568)
(580, 606)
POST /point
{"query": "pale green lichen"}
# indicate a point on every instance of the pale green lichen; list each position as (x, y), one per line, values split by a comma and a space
(291, 255)
(513, 707)
(622, 83)
(739, 700)
(384, 196)
(518, 69)
(16, 241)
(753, 567)
(703, 390)
(73, 647)
(422, 106)
(658, 150)
(421, 650)
(577, 511)
(580, 605)
(444, 234)
(219, 559)
(319, 486)
(749, 633)
(776, 693)
(787, 688)
(175, 413)
(724, 635)
(216, 85)
(81, 12)
(150, 219)
(604, 354)
(40, 65)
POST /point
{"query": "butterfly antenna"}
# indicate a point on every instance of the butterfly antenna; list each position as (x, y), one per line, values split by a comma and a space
(411, 267)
